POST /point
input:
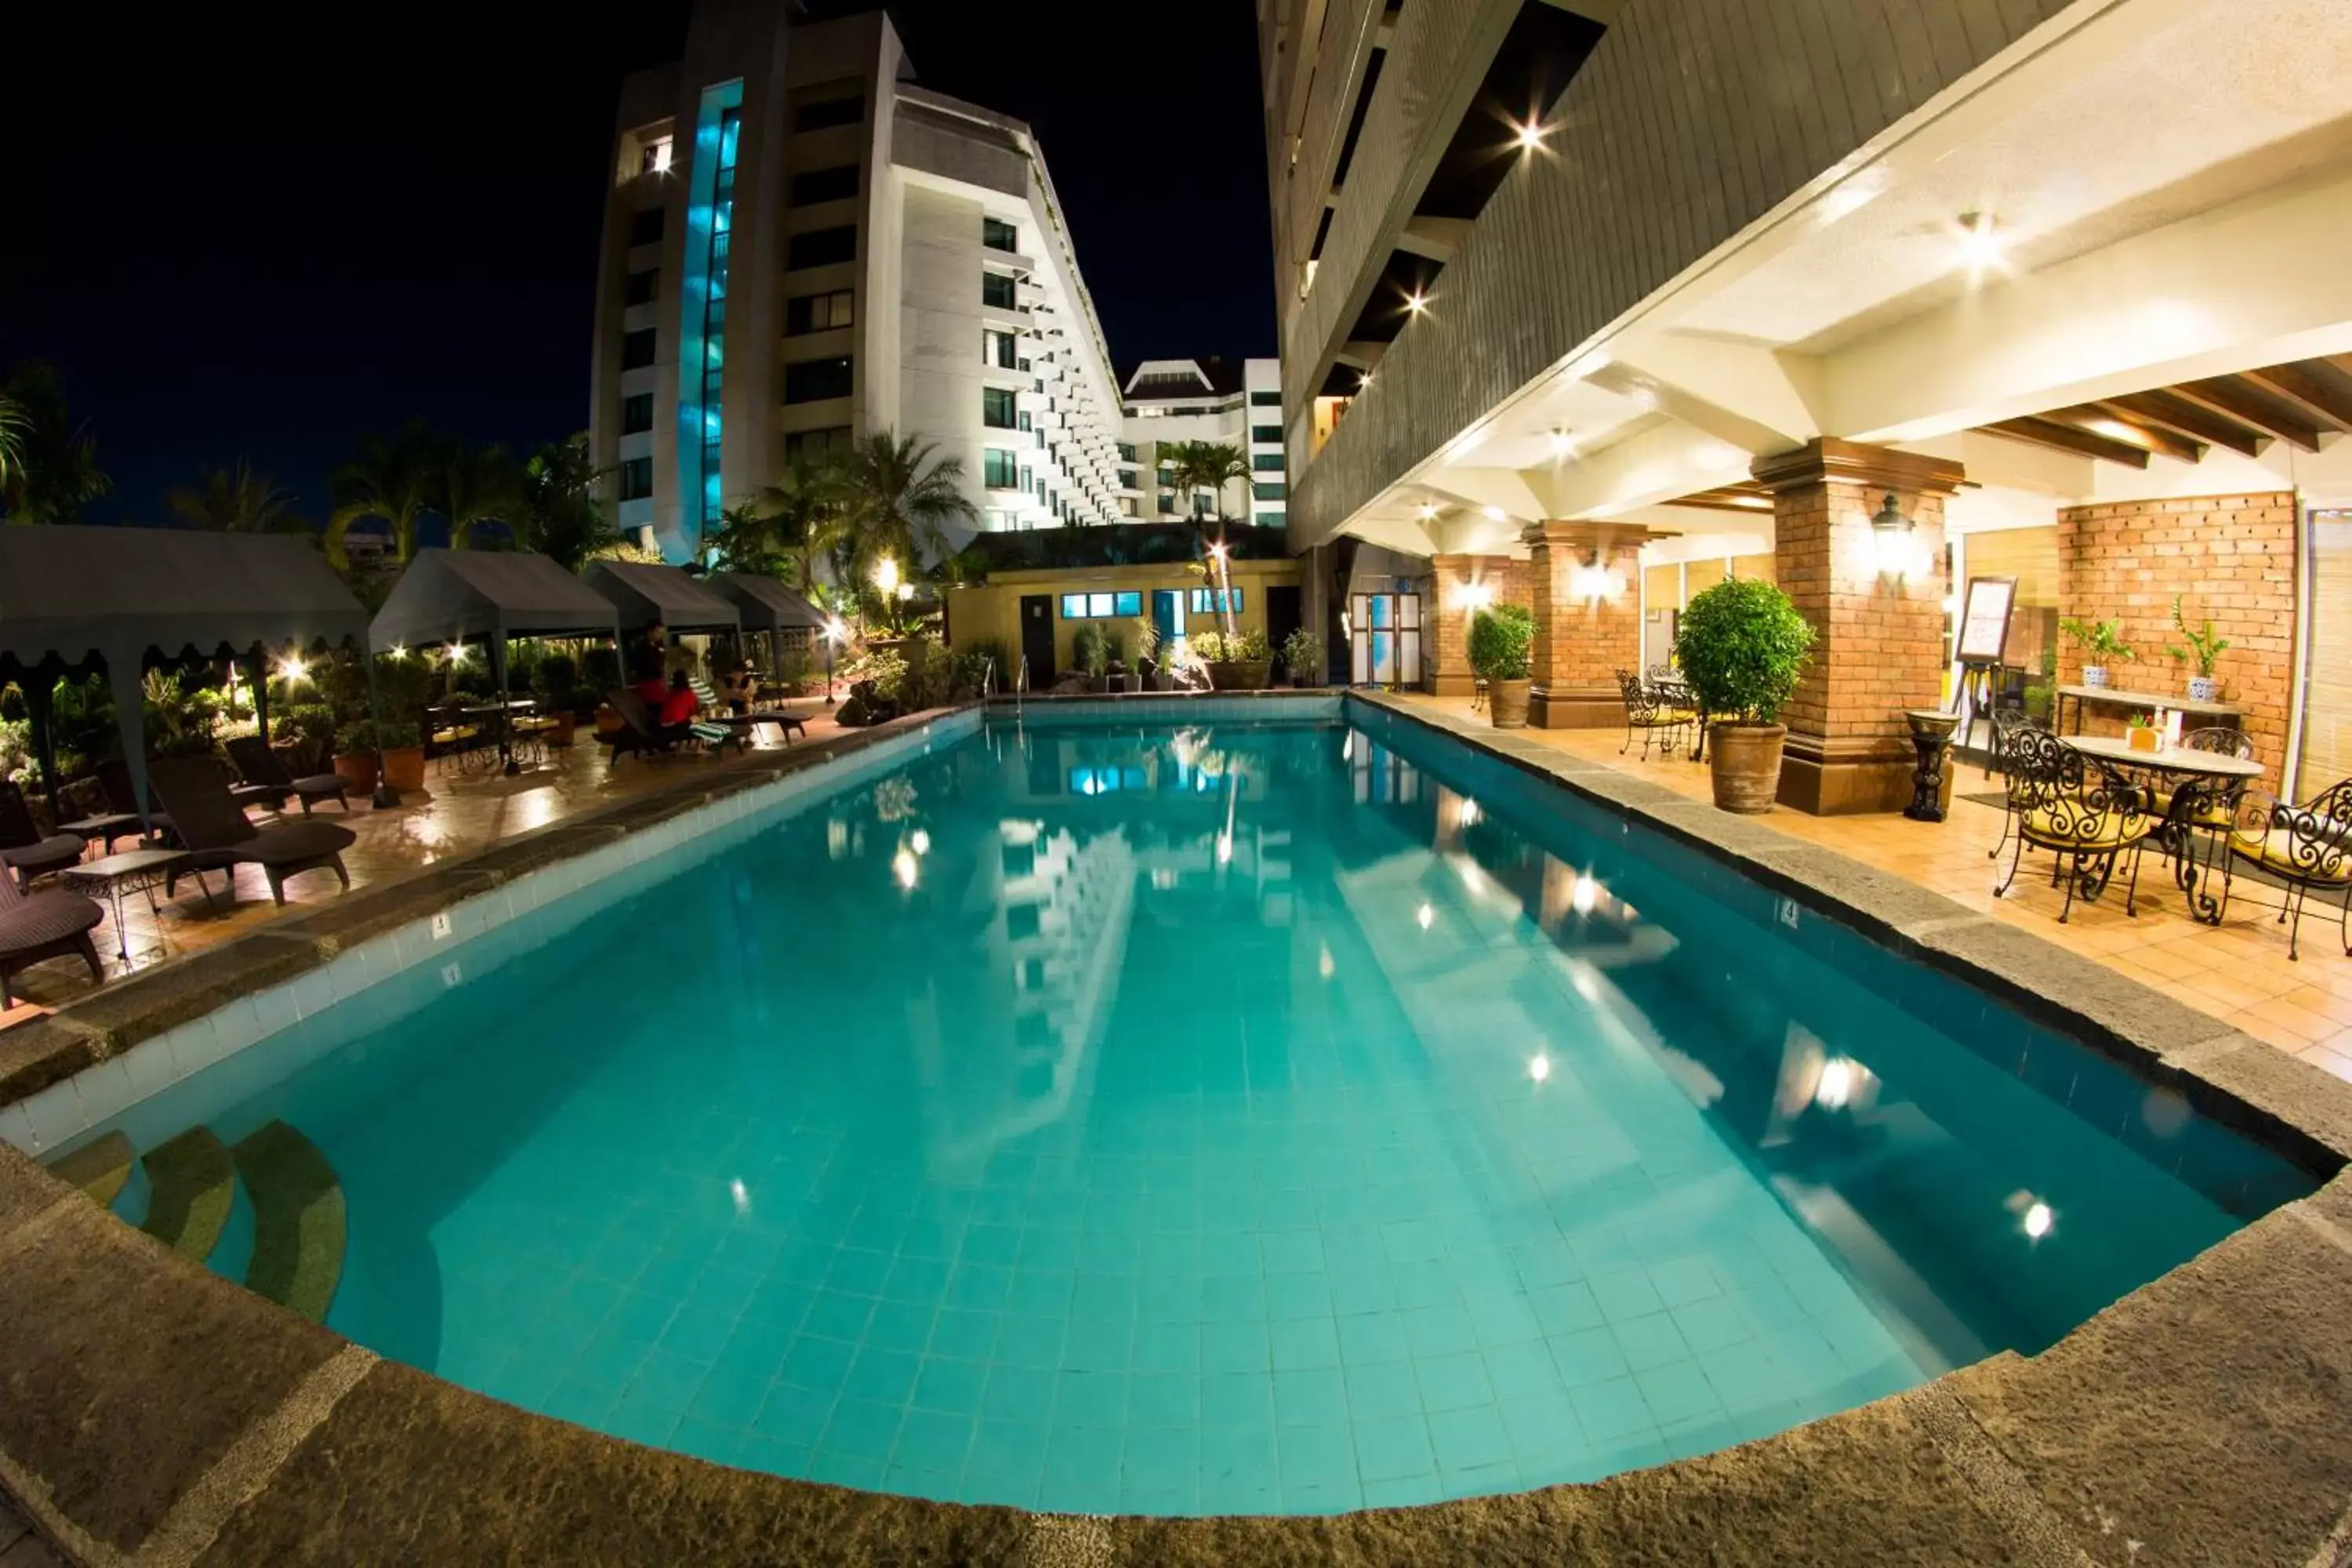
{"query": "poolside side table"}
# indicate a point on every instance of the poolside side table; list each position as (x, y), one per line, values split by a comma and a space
(132, 871)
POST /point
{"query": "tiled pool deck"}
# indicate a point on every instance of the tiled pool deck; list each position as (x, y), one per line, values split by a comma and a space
(2198, 1420)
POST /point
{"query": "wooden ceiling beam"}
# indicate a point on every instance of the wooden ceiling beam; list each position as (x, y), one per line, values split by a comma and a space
(2251, 404)
(2072, 439)
(2313, 388)
(2155, 437)
(2160, 408)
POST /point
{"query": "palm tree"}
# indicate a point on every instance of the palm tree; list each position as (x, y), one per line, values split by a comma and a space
(1210, 466)
(388, 481)
(742, 538)
(898, 500)
(473, 486)
(51, 467)
(236, 501)
(805, 510)
(562, 516)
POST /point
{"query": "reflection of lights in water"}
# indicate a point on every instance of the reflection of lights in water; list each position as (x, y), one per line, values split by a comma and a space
(920, 841)
(1540, 1066)
(1224, 848)
(743, 1196)
(1426, 916)
(902, 866)
(836, 840)
(1471, 877)
(1585, 987)
(1584, 894)
(1163, 877)
(1469, 813)
(1323, 964)
(1347, 749)
(1836, 1085)
(2037, 1221)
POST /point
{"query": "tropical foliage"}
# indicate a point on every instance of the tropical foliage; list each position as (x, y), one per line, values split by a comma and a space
(235, 499)
(389, 480)
(49, 464)
(1197, 466)
(560, 515)
(1502, 642)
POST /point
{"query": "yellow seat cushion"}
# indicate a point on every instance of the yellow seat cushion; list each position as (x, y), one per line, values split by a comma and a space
(2217, 813)
(2274, 851)
(2113, 830)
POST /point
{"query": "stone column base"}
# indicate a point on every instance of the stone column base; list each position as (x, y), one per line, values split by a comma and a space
(1449, 684)
(1571, 707)
(1846, 777)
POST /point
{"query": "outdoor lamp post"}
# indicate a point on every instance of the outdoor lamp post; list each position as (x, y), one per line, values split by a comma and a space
(832, 634)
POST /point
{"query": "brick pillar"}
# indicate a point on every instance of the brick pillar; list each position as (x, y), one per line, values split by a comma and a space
(1582, 642)
(1878, 640)
(1459, 585)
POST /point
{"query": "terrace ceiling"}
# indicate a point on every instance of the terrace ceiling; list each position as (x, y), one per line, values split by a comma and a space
(2298, 403)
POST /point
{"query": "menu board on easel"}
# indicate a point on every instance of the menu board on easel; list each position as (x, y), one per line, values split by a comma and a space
(1984, 620)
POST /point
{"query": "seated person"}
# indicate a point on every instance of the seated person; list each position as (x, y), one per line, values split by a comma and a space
(679, 706)
(739, 687)
(652, 689)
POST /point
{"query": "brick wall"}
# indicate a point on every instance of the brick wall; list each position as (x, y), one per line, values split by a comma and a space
(2231, 557)
(1878, 645)
(1447, 606)
(1581, 644)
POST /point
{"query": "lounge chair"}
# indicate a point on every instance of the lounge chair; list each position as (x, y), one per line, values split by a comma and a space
(639, 732)
(216, 832)
(259, 767)
(25, 849)
(114, 778)
(718, 712)
(35, 926)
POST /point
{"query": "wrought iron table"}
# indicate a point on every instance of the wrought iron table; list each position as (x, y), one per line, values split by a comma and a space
(132, 871)
(2175, 834)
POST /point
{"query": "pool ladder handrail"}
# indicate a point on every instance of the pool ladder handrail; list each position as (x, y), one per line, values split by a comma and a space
(1020, 689)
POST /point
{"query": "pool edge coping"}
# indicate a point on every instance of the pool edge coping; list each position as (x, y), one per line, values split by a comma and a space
(306, 1440)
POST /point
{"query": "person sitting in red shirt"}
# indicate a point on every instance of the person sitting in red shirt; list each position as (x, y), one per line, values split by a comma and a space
(680, 706)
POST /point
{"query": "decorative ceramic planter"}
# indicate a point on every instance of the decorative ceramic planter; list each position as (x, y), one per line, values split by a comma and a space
(403, 767)
(357, 771)
(1239, 675)
(1507, 701)
(2204, 688)
(1744, 761)
(2094, 675)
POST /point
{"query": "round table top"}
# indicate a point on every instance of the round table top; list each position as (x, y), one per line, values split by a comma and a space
(2172, 760)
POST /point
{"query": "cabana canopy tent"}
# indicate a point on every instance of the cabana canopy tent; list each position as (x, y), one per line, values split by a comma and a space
(451, 595)
(69, 594)
(644, 595)
(767, 605)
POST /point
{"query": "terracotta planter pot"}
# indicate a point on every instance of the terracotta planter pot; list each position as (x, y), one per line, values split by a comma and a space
(1506, 701)
(1745, 762)
(608, 719)
(565, 728)
(403, 767)
(1239, 675)
(358, 771)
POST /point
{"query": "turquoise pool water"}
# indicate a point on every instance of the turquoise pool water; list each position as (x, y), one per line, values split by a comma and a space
(1255, 1118)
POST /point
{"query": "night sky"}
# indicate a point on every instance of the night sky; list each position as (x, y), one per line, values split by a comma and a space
(242, 238)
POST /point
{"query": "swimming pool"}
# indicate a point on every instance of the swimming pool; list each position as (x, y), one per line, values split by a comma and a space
(1247, 1117)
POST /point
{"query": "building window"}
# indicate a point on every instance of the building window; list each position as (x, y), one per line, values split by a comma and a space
(999, 235)
(814, 380)
(817, 443)
(1025, 425)
(1000, 469)
(654, 157)
(829, 112)
(806, 313)
(1167, 505)
(999, 349)
(1267, 463)
(1275, 492)
(1271, 435)
(1101, 606)
(638, 349)
(1029, 482)
(1203, 604)
(1262, 399)
(1126, 507)
(1166, 478)
(637, 414)
(1127, 452)
(1269, 520)
(996, 407)
(996, 289)
(821, 247)
(637, 478)
(646, 226)
(811, 187)
(643, 287)
(1126, 478)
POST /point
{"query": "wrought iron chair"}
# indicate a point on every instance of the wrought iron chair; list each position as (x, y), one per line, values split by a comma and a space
(1650, 713)
(2085, 814)
(2007, 723)
(456, 737)
(2206, 805)
(2306, 846)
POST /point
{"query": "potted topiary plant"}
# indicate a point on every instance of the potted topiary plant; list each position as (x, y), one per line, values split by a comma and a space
(1741, 646)
(1302, 655)
(2100, 640)
(358, 743)
(1502, 642)
(1237, 663)
(2204, 648)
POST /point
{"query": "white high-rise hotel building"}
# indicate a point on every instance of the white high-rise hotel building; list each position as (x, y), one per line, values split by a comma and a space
(802, 247)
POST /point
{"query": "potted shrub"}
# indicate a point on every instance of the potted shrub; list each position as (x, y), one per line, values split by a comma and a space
(1302, 655)
(357, 744)
(1502, 642)
(557, 682)
(2204, 648)
(1115, 660)
(1237, 663)
(1741, 646)
(1088, 657)
(2102, 641)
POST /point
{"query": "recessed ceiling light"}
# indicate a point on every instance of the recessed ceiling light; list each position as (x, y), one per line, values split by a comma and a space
(1980, 243)
(1528, 136)
(1563, 443)
(1494, 514)
(1416, 303)
(1427, 511)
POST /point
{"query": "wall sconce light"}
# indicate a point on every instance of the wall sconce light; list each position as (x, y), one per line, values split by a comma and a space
(1895, 541)
(1476, 596)
(1594, 583)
